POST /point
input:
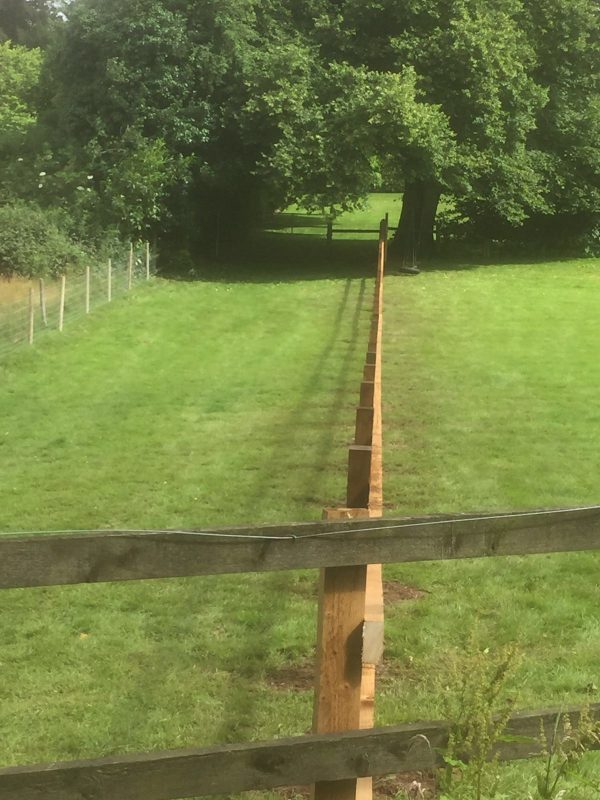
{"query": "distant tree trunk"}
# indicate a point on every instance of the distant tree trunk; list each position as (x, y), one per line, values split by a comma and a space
(413, 239)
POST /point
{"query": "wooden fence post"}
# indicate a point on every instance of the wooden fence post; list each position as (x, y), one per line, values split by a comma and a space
(350, 623)
(364, 426)
(147, 261)
(130, 269)
(109, 280)
(61, 307)
(87, 290)
(43, 310)
(31, 315)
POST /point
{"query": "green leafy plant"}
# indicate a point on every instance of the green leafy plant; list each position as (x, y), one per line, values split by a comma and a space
(33, 244)
(479, 706)
(564, 752)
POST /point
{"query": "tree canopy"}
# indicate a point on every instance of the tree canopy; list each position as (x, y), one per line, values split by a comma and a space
(181, 110)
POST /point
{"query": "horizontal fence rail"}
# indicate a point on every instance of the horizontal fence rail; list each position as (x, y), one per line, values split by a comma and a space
(100, 556)
(228, 769)
(339, 764)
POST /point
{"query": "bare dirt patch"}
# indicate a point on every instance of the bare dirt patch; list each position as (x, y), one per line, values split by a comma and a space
(299, 677)
(412, 785)
(395, 591)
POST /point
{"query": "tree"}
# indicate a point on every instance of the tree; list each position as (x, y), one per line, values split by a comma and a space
(566, 39)
(28, 22)
(152, 77)
(472, 61)
(19, 75)
(230, 105)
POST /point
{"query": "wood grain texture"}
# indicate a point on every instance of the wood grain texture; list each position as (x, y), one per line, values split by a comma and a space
(358, 489)
(337, 704)
(235, 768)
(61, 302)
(363, 432)
(43, 309)
(31, 321)
(48, 560)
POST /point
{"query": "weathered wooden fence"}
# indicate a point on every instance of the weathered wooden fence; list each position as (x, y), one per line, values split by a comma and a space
(340, 757)
(337, 757)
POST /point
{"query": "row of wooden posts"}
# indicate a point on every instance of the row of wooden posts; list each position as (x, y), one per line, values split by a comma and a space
(337, 759)
(351, 598)
(87, 301)
(348, 547)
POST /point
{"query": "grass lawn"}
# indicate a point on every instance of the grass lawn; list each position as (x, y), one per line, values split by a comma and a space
(231, 400)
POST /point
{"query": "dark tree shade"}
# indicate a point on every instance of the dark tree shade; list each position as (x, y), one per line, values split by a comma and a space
(27, 22)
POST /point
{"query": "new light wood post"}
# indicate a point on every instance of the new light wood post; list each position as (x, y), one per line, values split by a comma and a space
(147, 261)
(109, 280)
(61, 306)
(339, 662)
(43, 310)
(130, 268)
(31, 315)
(350, 622)
(87, 290)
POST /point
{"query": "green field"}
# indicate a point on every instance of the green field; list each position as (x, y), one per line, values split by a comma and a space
(231, 400)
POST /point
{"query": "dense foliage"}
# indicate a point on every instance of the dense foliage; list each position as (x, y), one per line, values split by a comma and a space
(33, 242)
(181, 119)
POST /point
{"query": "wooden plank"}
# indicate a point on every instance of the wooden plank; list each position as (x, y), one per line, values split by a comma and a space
(61, 305)
(369, 373)
(229, 769)
(339, 675)
(356, 230)
(51, 559)
(339, 662)
(31, 324)
(367, 391)
(87, 289)
(43, 309)
(359, 476)
(363, 432)
(130, 267)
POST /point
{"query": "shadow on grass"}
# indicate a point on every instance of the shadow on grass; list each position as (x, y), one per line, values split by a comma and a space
(455, 263)
(295, 420)
(283, 257)
(248, 660)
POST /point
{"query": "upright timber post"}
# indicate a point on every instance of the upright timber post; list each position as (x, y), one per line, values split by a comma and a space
(350, 623)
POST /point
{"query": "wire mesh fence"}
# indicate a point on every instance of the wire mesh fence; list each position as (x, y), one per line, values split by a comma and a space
(30, 308)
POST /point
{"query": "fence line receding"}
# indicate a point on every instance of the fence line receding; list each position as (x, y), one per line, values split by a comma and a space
(345, 751)
(29, 308)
